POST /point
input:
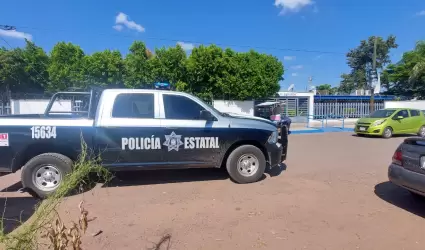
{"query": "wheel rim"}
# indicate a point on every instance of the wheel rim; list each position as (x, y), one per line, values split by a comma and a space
(422, 132)
(248, 165)
(387, 132)
(47, 178)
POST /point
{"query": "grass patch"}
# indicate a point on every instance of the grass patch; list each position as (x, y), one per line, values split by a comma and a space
(59, 237)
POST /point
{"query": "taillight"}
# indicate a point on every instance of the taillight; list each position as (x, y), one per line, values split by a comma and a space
(398, 157)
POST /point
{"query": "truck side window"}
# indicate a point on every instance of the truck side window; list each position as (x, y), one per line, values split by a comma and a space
(139, 105)
(181, 108)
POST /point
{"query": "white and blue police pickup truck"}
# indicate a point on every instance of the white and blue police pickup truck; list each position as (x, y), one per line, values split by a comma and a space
(135, 129)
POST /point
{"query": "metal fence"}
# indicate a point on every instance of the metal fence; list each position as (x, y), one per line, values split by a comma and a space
(345, 109)
(5, 108)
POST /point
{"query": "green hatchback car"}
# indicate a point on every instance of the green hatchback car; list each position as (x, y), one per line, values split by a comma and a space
(387, 122)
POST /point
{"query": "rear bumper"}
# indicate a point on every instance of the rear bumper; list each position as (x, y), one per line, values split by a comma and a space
(407, 179)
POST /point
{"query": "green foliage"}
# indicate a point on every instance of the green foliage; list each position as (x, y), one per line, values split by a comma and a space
(137, 68)
(104, 68)
(66, 67)
(407, 77)
(208, 72)
(326, 89)
(360, 60)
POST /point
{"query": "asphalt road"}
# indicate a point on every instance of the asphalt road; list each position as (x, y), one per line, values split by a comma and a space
(331, 193)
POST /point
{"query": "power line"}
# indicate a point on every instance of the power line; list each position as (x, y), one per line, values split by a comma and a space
(193, 42)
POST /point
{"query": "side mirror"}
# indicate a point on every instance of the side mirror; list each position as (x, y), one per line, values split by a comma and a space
(400, 117)
(206, 115)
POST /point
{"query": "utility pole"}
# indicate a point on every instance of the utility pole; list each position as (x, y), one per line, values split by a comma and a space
(373, 75)
(310, 79)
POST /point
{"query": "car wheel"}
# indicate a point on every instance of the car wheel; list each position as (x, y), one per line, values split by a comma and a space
(44, 173)
(387, 133)
(246, 164)
(421, 132)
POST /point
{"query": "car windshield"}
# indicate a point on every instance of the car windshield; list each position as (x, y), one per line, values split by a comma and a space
(383, 113)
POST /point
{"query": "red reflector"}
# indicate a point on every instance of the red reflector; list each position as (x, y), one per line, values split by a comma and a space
(398, 158)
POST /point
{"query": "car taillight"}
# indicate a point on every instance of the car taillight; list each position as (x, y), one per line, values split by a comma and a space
(398, 157)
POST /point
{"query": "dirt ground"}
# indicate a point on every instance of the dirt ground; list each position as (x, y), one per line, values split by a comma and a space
(332, 193)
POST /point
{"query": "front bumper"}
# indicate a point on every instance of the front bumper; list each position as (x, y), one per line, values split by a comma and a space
(277, 152)
(407, 179)
(368, 130)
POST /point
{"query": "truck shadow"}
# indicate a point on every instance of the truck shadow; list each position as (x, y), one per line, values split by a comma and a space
(152, 177)
(16, 210)
(401, 198)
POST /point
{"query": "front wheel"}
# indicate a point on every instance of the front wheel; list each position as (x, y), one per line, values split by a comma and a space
(246, 164)
(387, 133)
(44, 173)
(421, 132)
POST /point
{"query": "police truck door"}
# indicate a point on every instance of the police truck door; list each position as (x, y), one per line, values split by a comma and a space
(130, 136)
(189, 140)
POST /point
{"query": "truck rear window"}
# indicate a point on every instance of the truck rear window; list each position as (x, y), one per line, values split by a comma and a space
(140, 105)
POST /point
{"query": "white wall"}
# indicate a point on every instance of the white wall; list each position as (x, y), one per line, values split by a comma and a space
(238, 107)
(405, 104)
(37, 106)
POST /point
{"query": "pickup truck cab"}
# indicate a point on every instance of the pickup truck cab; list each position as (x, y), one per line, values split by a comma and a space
(135, 129)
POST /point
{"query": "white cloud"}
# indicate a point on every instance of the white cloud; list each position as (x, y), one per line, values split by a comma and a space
(289, 58)
(317, 57)
(421, 13)
(186, 46)
(292, 5)
(15, 34)
(118, 27)
(122, 20)
(297, 67)
(294, 74)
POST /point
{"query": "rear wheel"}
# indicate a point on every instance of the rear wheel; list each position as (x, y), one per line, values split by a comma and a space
(44, 173)
(387, 133)
(246, 164)
(421, 132)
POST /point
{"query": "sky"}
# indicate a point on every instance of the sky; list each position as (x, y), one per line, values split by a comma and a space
(309, 37)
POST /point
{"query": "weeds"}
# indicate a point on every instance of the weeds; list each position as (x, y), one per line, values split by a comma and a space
(27, 236)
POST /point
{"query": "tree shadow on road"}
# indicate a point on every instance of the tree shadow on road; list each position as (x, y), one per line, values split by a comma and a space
(401, 198)
(15, 211)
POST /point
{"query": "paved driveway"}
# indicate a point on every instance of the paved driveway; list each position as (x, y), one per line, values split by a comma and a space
(331, 194)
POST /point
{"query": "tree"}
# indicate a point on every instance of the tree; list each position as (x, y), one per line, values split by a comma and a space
(407, 77)
(137, 68)
(360, 60)
(326, 89)
(104, 68)
(169, 65)
(24, 69)
(66, 67)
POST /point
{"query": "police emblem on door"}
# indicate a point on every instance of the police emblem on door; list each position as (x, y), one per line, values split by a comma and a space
(173, 141)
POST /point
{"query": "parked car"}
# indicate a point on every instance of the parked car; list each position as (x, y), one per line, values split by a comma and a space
(388, 122)
(407, 169)
(273, 110)
(135, 129)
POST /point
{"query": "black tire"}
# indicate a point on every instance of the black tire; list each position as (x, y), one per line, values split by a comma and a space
(246, 151)
(387, 133)
(421, 131)
(54, 164)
